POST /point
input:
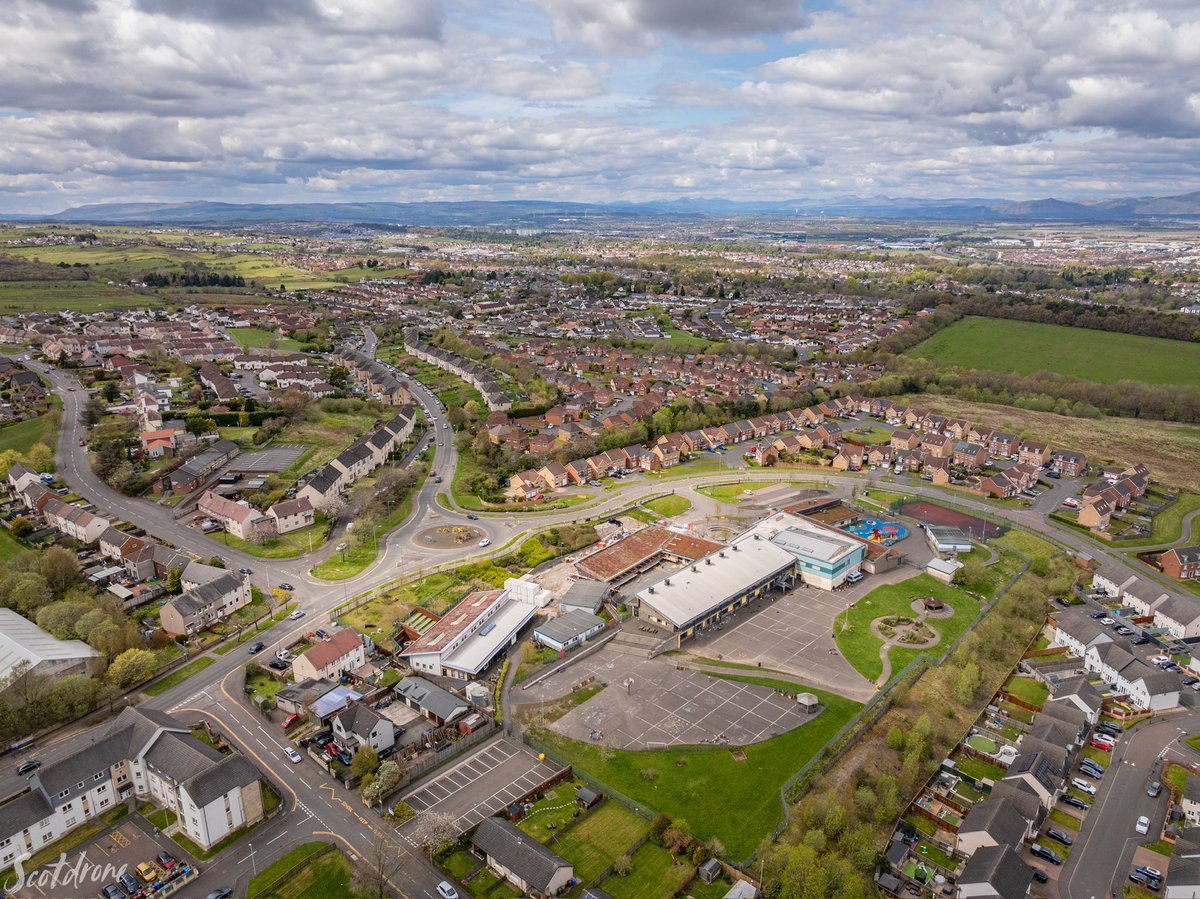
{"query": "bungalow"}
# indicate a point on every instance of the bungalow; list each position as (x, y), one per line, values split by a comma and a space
(521, 860)
(438, 705)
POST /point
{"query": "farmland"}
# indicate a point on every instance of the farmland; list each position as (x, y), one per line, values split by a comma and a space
(1027, 347)
(57, 296)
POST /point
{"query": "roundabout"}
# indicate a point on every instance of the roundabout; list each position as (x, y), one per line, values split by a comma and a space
(449, 536)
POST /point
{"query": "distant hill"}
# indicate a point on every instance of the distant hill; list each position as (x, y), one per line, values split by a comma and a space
(558, 215)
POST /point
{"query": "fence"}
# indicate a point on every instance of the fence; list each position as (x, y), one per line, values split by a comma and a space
(269, 888)
(534, 744)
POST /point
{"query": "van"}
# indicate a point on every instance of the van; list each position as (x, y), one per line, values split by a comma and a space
(854, 577)
(22, 745)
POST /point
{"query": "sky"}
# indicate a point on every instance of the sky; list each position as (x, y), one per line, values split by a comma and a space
(594, 100)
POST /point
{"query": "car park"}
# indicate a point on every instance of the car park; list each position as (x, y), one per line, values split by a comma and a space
(1049, 855)
(1143, 825)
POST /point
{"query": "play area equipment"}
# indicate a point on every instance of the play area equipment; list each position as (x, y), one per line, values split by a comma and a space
(878, 531)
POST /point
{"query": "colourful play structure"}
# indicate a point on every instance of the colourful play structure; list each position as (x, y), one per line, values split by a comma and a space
(878, 531)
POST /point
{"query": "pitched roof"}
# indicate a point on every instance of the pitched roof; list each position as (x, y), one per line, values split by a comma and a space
(336, 647)
(1002, 869)
(431, 698)
(1000, 818)
(521, 854)
(231, 772)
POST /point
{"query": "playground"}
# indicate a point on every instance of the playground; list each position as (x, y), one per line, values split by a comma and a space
(877, 531)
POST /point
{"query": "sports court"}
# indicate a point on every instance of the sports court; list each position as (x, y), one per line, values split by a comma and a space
(928, 513)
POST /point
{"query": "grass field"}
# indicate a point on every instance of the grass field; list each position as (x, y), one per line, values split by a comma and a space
(1168, 525)
(669, 506)
(257, 338)
(1028, 347)
(57, 296)
(193, 667)
(701, 785)
(275, 548)
(327, 873)
(1168, 448)
(734, 493)
(601, 838)
(24, 434)
(860, 646)
(655, 873)
(10, 547)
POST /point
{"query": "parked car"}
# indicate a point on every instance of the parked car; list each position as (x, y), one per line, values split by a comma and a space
(1049, 855)
(131, 886)
(1154, 790)
(278, 665)
(321, 634)
(1075, 802)
(222, 893)
(112, 891)
(446, 891)
(257, 648)
(1092, 770)
(147, 872)
(1040, 876)
(166, 860)
(1059, 836)
(1106, 621)
(1141, 641)
(1149, 872)
(292, 754)
(1143, 825)
(1188, 681)
(1083, 786)
(291, 721)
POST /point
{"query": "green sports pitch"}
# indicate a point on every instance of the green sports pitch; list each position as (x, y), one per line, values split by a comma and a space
(1027, 347)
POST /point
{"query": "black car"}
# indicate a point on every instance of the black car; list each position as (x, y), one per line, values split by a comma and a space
(1075, 802)
(278, 665)
(1059, 836)
(1039, 875)
(287, 587)
(112, 891)
(1063, 601)
(1098, 615)
(223, 893)
(29, 768)
(1146, 883)
(1047, 854)
(1141, 641)
(257, 648)
(472, 517)
(245, 571)
(1188, 681)
(1111, 725)
(129, 882)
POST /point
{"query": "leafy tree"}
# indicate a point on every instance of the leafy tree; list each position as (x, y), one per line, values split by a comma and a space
(966, 682)
(131, 667)
(8, 459)
(73, 696)
(388, 777)
(174, 583)
(25, 591)
(60, 568)
(60, 618)
(41, 457)
(21, 528)
(365, 761)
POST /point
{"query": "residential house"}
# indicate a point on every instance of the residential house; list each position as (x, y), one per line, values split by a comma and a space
(1034, 453)
(361, 726)
(992, 822)
(341, 654)
(1096, 514)
(521, 860)
(1035, 771)
(1181, 563)
(525, 484)
(554, 475)
(439, 706)
(995, 872)
(291, 515)
(970, 455)
(1003, 446)
(240, 519)
(1068, 464)
(205, 605)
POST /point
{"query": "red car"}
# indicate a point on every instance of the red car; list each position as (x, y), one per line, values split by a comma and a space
(290, 721)
(1101, 746)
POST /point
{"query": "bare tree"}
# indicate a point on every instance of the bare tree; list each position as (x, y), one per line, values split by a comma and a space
(378, 865)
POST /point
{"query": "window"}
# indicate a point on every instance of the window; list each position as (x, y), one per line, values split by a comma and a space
(98, 776)
(63, 794)
(70, 822)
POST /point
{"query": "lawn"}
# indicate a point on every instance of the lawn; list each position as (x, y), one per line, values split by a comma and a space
(257, 338)
(978, 769)
(602, 837)
(552, 812)
(1058, 816)
(711, 781)
(1168, 525)
(734, 493)
(10, 547)
(178, 677)
(271, 877)
(1027, 690)
(1027, 347)
(669, 506)
(860, 646)
(58, 296)
(322, 876)
(275, 548)
(55, 850)
(655, 873)
(22, 435)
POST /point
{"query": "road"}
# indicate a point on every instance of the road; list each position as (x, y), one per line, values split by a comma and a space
(1103, 852)
(315, 808)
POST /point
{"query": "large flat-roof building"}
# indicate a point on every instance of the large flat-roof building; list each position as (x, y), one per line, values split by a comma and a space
(824, 556)
(26, 647)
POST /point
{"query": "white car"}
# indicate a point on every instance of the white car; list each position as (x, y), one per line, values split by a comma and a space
(748, 492)
(296, 615)
(485, 542)
(1083, 786)
(1143, 825)
(1155, 660)
(1106, 620)
(295, 756)
(446, 891)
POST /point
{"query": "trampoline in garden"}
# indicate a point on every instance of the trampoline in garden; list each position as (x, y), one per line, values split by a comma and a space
(980, 743)
(878, 531)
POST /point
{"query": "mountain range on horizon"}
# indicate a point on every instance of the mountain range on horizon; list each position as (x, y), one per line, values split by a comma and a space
(549, 213)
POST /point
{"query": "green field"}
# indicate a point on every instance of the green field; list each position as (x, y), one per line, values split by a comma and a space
(1028, 347)
(654, 874)
(669, 506)
(57, 296)
(858, 643)
(606, 834)
(257, 338)
(701, 785)
(24, 434)
(193, 667)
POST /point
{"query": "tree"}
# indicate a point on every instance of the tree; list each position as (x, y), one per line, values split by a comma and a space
(175, 581)
(60, 618)
(622, 866)
(365, 761)
(243, 419)
(41, 457)
(381, 862)
(973, 575)
(434, 831)
(216, 562)
(73, 696)
(93, 411)
(60, 568)
(966, 682)
(387, 778)
(21, 528)
(131, 667)
(8, 459)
